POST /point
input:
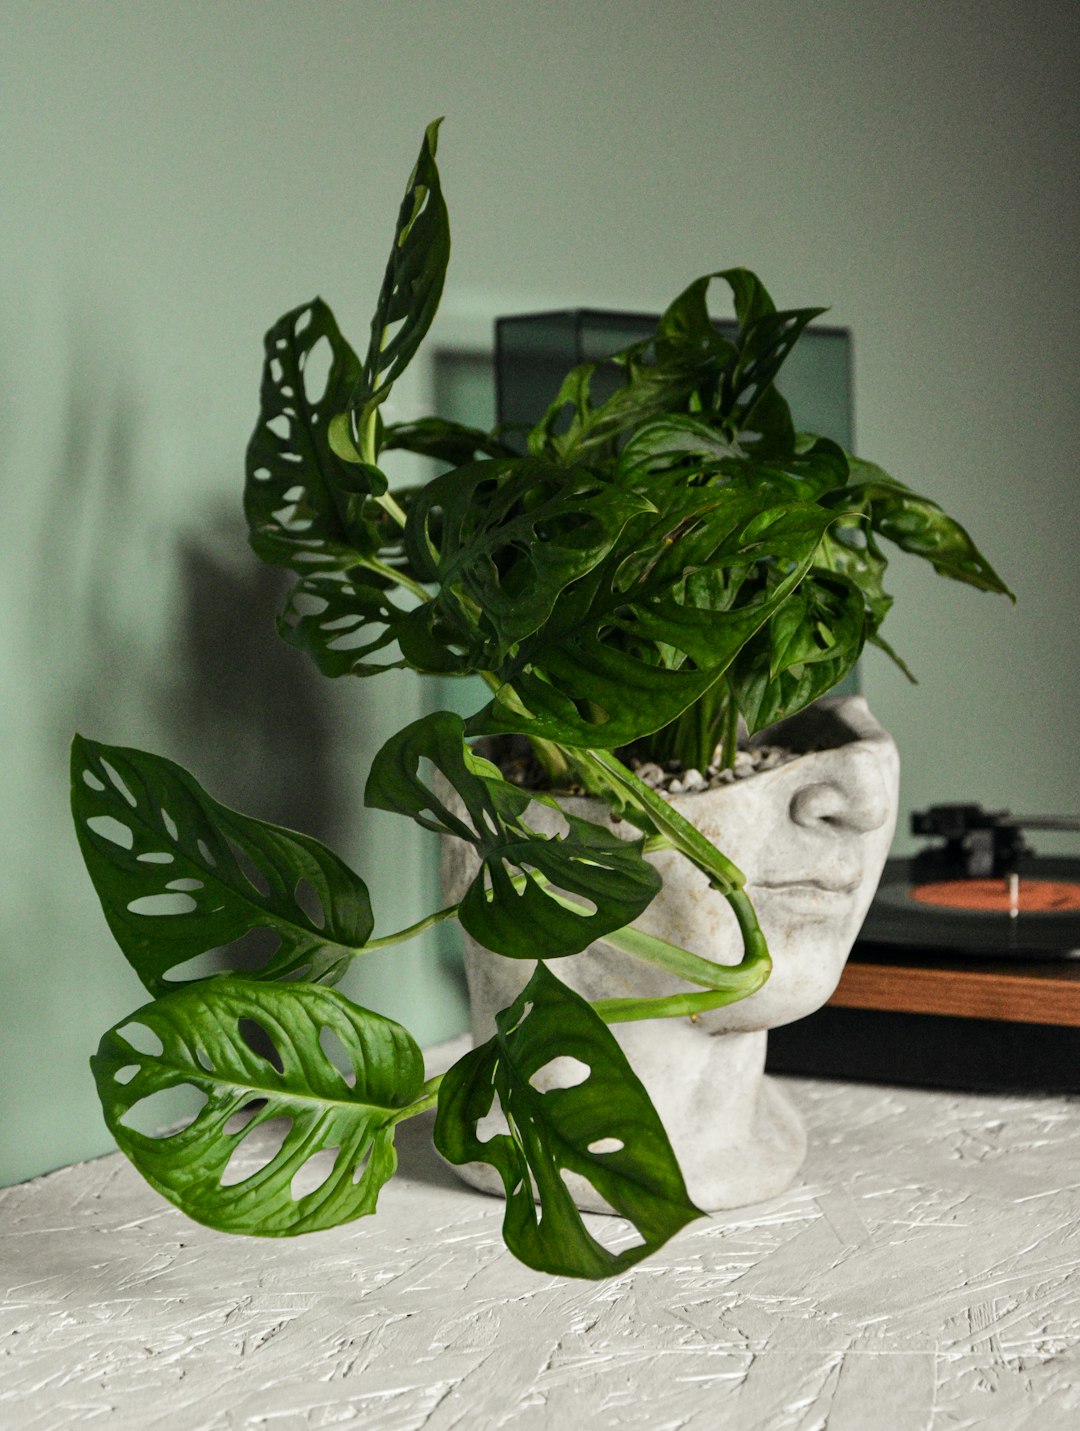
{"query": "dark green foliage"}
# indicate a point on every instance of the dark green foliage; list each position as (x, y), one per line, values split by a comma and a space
(604, 1129)
(301, 512)
(524, 920)
(179, 875)
(661, 564)
(347, 1112)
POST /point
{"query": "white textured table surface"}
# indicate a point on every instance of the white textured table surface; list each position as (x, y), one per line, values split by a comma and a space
(923, 1273)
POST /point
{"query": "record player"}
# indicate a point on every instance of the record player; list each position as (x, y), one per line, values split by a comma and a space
(966, 972)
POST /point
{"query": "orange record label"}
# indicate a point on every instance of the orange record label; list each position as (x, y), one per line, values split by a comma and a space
(1036, 896)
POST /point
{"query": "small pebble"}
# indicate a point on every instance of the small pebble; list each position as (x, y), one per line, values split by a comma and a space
(749, 760)
(649, 772)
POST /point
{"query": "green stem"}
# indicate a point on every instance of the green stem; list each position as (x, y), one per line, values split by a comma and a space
(411, 931)
(551, 756)
(649, 810)
(366, 432)
(429, 1096)
(389, 504)
(662, 818)
(677, 1006)
(374, 564)
(755, 945)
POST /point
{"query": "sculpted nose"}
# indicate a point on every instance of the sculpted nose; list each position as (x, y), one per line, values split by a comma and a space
(851, 795)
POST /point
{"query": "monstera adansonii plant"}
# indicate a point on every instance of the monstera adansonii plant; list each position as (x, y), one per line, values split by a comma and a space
(642, 573)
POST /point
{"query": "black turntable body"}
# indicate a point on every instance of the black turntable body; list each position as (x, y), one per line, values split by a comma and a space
(966, 973)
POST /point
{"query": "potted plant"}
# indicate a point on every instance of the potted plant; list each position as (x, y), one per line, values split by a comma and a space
(658, 570)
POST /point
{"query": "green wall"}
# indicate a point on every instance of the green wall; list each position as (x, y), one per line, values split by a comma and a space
(174, 176)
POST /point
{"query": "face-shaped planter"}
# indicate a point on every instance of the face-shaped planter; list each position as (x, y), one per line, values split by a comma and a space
(811, 837)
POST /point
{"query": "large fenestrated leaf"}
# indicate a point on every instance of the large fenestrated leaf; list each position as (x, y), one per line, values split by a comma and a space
(628, 647)
(411, 288)
(807, 648)
(604, 1129)
(300, 499)
(919, 526)
(351, 626)
(501, 539)
(589, 863)
(346, 1114)
(749, 402)
(179, 875)
(657, 381)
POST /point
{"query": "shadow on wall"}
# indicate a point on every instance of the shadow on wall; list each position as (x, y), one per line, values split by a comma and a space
(134, 622)
(147, 632)
(247, 711)
(159, 633)
(179, 651)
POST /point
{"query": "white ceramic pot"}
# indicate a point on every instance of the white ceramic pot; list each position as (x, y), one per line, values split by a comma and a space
(811, 837)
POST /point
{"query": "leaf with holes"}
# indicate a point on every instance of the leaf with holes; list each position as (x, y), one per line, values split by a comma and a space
(603, 1129)
(179, 875)
(300, 499)
(411, 289)
(629, 647)
(443, 439)
(749, 402)
(208, 1040)
(342, 622)
(686, 335)
(503, 539)
(523, 919)
(575, 430)
(809, 646)
(850, 550)
(918, 525)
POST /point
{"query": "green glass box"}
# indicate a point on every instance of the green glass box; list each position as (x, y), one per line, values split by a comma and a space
(533, 352)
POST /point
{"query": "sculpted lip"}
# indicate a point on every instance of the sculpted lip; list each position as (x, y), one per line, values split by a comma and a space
(814, 885)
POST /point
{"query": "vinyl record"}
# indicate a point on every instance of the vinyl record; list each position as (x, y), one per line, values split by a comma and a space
(972, 916)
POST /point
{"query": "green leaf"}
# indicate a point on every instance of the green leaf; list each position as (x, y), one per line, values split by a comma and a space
(849, 549)
(347, 1116)
(444, 440)
(631, 646)
(503, 538)
(678, 439)
(589, 863)
(179, 875)
(563, 1129)
(687, 338)
(301, 509)
(766, 337)
(574, 430)
(341, 622)
(410, 293)
(811, 643)
(919, 526)
(876, 639)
